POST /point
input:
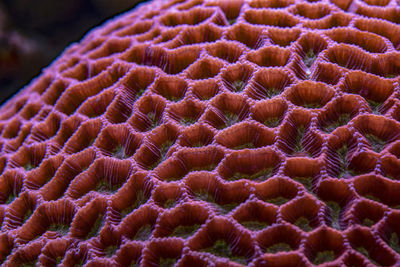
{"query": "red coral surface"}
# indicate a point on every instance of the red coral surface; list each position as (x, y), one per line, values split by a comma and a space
(211, 133)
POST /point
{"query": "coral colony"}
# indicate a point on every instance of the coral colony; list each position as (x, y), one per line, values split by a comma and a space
(211, 133)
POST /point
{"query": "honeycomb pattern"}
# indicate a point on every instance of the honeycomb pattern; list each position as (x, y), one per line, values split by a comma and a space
(211, 133)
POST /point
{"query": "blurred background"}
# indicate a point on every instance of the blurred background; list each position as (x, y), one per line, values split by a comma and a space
(34, 32)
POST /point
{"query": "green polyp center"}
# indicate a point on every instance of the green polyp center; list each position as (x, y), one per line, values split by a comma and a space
(11, 198)
(277, 200)
(221, 248)
(166, 262)
(207, 167)
(185, 231)
(140, 200)
(261, 175)
(204, 94)
(91, 142)
(372, 197)
(271, 92)
(376, 143)
(334, 209)
(106, 187)
(134, 263)
(174, 96)
(96, 227)
(59, 228)
(254, 225)
(59, 259)
(29, 166)
(197, 144)
(298, 144)
(127, 210)
(394, 242)
(303, 223)
(277, 247)
(272, 122)
(27, 215)
(324, 256)
(153, 120)
(139, 93)
(365, 252)
(188, 121)
(367, 222)
(375, 106)
(119, 152)
(244, 146)
(144, 233)
(32, 263)
(309, 58)
(222, 208)
(313, 105)
(306, 182)
(110, 251)
(204, 196)
(343, 119)
(390, 75)
(163, 150)
(230, 119)
(226, 208)
(238, 85)
(169, 203)
(345, 172)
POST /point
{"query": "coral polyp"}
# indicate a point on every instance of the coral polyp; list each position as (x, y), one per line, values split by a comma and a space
(201, 132)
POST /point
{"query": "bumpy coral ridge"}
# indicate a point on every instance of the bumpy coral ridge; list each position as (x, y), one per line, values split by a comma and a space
(262, 133)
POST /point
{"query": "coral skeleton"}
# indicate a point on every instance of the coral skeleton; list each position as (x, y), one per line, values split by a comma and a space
(211, 133)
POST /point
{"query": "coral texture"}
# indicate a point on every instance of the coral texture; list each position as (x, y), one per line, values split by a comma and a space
(202, 133)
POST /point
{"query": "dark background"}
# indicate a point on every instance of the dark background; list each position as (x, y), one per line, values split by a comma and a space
(34, 32)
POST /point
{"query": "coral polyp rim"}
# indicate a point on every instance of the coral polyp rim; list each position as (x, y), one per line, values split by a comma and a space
(211, 133)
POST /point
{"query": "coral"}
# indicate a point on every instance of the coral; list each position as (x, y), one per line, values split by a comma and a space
(261, 133)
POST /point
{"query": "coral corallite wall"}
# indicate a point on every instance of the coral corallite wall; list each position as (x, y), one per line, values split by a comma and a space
(211, 133)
